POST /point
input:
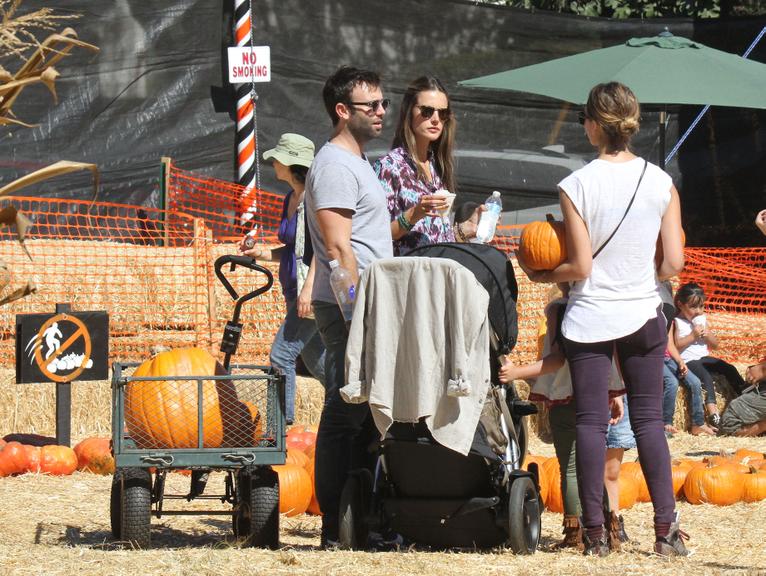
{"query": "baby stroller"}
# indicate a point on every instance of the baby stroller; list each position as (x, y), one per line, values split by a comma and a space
(431, 494)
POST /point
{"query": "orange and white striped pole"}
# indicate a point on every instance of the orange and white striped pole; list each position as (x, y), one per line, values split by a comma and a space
(248, 168)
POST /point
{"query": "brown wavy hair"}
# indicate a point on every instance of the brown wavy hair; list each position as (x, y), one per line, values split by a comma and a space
(442, 148)
(614, 107)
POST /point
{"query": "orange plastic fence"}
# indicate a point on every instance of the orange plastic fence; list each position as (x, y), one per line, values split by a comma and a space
(152, 270)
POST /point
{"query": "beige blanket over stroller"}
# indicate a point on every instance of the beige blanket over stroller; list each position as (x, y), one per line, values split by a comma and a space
(419, 347)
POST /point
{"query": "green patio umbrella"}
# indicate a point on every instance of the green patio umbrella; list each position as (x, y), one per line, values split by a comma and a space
(661, 70)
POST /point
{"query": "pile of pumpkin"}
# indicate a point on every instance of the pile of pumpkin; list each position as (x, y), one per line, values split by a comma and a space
(297, 493)
(92, 454)
(721, 480)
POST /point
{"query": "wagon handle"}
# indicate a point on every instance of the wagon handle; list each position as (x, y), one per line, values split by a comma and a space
(247, 262)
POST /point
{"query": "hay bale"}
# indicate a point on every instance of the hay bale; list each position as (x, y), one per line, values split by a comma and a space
(309, 399)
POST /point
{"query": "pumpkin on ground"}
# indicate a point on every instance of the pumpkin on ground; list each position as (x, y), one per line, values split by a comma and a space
(34, 456)
(296, 457)
(754, 486)
(163, 413)
(554, 499)
(13, 459)
(542, 245)
(301, 440)
(57, 460)
(2, 444)
(628, 490)
(294, 489)
(679, 469)
(720, 485)
(634, 468)
(95, 455)
(745, 456)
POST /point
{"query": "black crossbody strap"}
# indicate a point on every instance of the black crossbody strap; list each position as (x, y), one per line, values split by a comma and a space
(597, 252)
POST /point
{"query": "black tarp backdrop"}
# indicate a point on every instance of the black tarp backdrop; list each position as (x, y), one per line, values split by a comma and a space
(147, 95)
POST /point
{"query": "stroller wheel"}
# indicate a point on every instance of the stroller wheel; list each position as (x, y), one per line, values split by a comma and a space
(523, 516)
(354, 502)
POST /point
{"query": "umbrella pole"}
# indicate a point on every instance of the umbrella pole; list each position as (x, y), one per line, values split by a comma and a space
(663, 117)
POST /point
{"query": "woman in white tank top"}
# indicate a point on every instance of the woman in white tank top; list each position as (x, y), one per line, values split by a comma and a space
(618, 207)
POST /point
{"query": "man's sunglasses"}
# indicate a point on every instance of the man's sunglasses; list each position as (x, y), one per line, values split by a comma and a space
(373, 105)
(428, 112)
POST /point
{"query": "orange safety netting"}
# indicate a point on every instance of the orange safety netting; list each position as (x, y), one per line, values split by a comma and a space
(152, 270)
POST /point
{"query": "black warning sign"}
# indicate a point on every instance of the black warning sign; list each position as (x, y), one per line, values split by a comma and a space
(62, 347)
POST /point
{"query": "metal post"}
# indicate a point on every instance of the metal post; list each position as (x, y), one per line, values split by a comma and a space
(63, 400)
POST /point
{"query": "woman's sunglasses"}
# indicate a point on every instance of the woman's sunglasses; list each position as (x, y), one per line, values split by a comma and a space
(428, 112)
(581, 117)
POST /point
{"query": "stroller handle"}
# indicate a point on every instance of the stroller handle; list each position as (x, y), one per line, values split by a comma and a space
(247, 262)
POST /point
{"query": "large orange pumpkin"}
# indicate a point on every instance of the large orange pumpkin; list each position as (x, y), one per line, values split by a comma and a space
(294, 489)
(634, 468)
(163, 413)
(34, 458)
(542, 245)
(745, 456)
(57, 460)
(754, 487)
(554, 500)
(679, 469)
(628, 490)
(95, 455)
(13, 459)
(720, 485)
(297, 457)
(301, 440)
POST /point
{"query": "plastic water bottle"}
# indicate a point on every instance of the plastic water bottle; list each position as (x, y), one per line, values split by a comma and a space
(343, 288)
(486, 229)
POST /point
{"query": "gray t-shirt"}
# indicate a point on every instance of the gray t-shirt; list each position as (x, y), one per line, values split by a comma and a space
(339, 179)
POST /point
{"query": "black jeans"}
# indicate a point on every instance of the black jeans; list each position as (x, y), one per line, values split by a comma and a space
(345, 430)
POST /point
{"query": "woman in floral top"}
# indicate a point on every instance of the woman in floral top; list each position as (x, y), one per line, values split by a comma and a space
(420, 163)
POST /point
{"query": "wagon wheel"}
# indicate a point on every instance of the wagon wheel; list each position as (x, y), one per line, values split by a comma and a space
(135, 497)
(257, 515)
(523, 516)
(354, 503)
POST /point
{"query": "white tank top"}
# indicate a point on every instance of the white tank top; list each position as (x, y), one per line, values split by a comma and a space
(620, 295)
(697, 349)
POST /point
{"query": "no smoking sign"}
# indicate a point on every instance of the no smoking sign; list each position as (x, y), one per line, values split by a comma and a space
(62, 347)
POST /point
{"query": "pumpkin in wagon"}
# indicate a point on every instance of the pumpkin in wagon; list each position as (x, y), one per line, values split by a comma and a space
(163, 413)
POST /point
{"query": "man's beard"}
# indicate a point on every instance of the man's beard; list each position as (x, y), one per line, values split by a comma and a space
(363, 131)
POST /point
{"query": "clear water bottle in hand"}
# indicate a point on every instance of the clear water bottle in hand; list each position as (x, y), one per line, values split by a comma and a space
(343, 288)
(488, 222)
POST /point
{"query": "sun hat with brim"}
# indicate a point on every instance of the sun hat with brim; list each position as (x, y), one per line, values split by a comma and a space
(291, 150)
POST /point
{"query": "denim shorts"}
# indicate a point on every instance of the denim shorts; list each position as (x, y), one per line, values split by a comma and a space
(620, 435)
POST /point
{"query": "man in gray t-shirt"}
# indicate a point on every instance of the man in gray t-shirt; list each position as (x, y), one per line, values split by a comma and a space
(349, 222)
(344, 183)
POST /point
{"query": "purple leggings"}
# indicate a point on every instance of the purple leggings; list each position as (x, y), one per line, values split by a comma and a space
(641, 360)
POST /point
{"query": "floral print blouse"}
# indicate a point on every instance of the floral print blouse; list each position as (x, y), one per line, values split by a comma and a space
(399, 177)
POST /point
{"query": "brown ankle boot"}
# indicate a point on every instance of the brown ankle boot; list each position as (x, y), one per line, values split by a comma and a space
(615, 531)
(572, 533)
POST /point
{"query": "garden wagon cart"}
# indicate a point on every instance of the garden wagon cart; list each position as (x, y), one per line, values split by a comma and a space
(232, 421)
